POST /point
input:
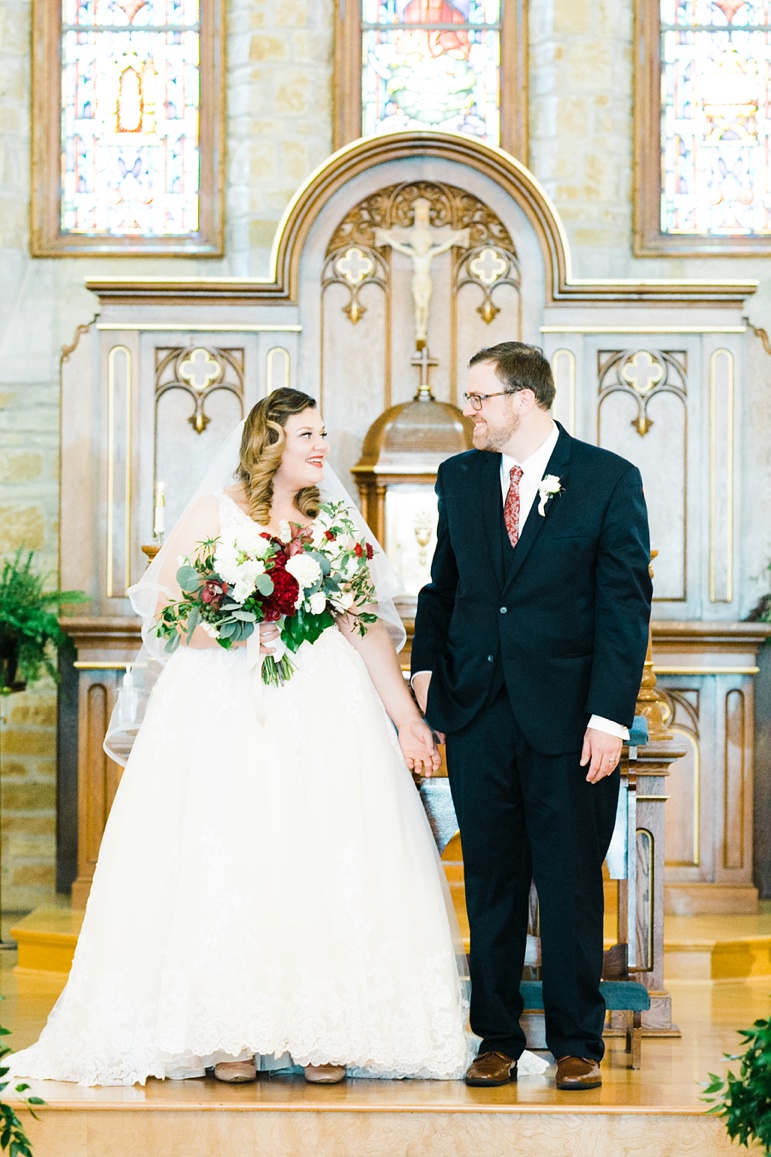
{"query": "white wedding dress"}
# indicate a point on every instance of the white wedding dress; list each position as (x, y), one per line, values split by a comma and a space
(271, 890)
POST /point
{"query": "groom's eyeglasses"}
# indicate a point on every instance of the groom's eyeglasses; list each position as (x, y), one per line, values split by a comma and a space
(476, 400)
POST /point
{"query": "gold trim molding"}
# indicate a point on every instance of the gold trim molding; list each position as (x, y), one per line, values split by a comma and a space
(647, 328)
(721, 489)
(111, 423)
(192, 327)
(706, 670)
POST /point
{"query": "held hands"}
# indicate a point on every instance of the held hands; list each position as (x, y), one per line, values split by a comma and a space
(418, 747)
(420, 684)
(602, 752)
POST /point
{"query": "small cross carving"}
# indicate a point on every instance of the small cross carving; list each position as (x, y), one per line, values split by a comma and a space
(488, 266)
(642, 372)
(199, 369)
(424, 363)
(354, 265)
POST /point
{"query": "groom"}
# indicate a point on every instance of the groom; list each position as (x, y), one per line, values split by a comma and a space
(528, 652)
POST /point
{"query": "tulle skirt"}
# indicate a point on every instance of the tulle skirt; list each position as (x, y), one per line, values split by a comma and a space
(267, 884)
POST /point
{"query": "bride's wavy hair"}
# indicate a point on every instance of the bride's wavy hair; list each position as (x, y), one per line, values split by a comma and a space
(262, 448)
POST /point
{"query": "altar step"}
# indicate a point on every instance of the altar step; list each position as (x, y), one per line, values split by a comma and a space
(381, 1119)
(653, 1110)
(706, 947)
(695, 947)
(46, 938)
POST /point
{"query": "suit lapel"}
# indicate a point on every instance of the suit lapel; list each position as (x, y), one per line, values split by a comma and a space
(558, 464)
(489, 501)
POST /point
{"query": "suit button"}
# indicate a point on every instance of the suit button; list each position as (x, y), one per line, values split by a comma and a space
(504, 610)
(491, 658)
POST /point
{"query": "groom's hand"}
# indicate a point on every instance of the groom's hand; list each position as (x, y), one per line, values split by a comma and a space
(420, 684)
(602, 752)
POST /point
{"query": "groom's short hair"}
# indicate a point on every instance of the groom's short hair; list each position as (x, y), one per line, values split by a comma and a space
(520, 367)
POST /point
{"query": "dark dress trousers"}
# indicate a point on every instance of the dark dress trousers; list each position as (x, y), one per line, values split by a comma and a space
(524, 644)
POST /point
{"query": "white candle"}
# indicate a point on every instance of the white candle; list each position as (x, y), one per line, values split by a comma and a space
(128, 699)
(159, 512)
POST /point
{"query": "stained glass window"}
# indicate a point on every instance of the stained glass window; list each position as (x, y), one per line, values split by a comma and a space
(430, 64)
(136, 129)
(716, 118)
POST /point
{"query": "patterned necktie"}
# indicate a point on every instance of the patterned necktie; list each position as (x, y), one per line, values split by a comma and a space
(511, 506)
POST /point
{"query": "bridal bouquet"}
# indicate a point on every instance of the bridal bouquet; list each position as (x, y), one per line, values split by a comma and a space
(300, 579)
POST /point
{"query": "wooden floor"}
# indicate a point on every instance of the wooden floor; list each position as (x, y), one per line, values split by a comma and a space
(652, 1112)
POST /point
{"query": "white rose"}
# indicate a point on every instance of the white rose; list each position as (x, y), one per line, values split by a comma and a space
(250, 541)
(305, 569)
(284, 531)
(249, 569)
(242, 590)
(226, 565)
(344, 600)
(318, 602)
(211, 630)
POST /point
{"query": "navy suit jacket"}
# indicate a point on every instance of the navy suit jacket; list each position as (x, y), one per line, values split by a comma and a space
(562, 618)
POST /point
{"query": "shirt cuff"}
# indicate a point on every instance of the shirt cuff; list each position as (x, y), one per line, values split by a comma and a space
(599, 723)
(414, 677)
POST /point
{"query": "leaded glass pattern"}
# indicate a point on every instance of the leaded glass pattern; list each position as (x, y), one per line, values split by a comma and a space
(716, 117)
(430, 64)
(130, 118)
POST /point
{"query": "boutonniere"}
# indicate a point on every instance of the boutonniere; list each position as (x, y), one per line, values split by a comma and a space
(547, 488)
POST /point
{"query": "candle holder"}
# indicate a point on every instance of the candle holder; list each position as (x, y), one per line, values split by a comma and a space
(151, 549)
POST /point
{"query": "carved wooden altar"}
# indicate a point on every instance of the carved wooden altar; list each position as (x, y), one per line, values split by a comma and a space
(650, 370)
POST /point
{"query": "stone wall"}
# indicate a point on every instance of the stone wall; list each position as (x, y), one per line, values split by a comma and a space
(279, 128)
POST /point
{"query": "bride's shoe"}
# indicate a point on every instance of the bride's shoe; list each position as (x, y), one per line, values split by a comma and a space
(324, 1074)
(236, 1072)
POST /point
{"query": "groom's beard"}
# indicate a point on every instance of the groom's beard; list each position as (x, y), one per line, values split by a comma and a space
(488, 437)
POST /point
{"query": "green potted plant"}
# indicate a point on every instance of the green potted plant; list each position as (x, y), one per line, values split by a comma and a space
(761, 612)
(30, 634)
(12, 1134)
(745, 1100)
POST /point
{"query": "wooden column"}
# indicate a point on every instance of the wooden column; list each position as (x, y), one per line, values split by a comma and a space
(105, 646)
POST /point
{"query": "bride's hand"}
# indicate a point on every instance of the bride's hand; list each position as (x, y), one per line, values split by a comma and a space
(268, 634)
(418, 748)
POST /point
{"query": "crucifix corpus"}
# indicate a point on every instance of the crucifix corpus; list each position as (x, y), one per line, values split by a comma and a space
(422, 243)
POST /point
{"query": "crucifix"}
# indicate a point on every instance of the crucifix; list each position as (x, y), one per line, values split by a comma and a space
(422, 243)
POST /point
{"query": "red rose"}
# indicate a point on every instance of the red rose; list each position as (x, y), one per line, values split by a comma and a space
(370, 551)
(330, 535)
(358, 550)
(284, 597)
(213, 593)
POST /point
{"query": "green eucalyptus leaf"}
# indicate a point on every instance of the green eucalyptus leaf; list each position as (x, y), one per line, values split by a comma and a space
(264, 584)
(188, 578)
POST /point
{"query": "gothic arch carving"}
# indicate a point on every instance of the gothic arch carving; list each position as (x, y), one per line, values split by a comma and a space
(364, 155)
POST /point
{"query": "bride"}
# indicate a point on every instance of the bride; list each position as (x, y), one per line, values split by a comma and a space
(268, 893)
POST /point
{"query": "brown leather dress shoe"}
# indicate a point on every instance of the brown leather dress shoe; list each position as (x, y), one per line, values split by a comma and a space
(578, 1073)
(491, 1069)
